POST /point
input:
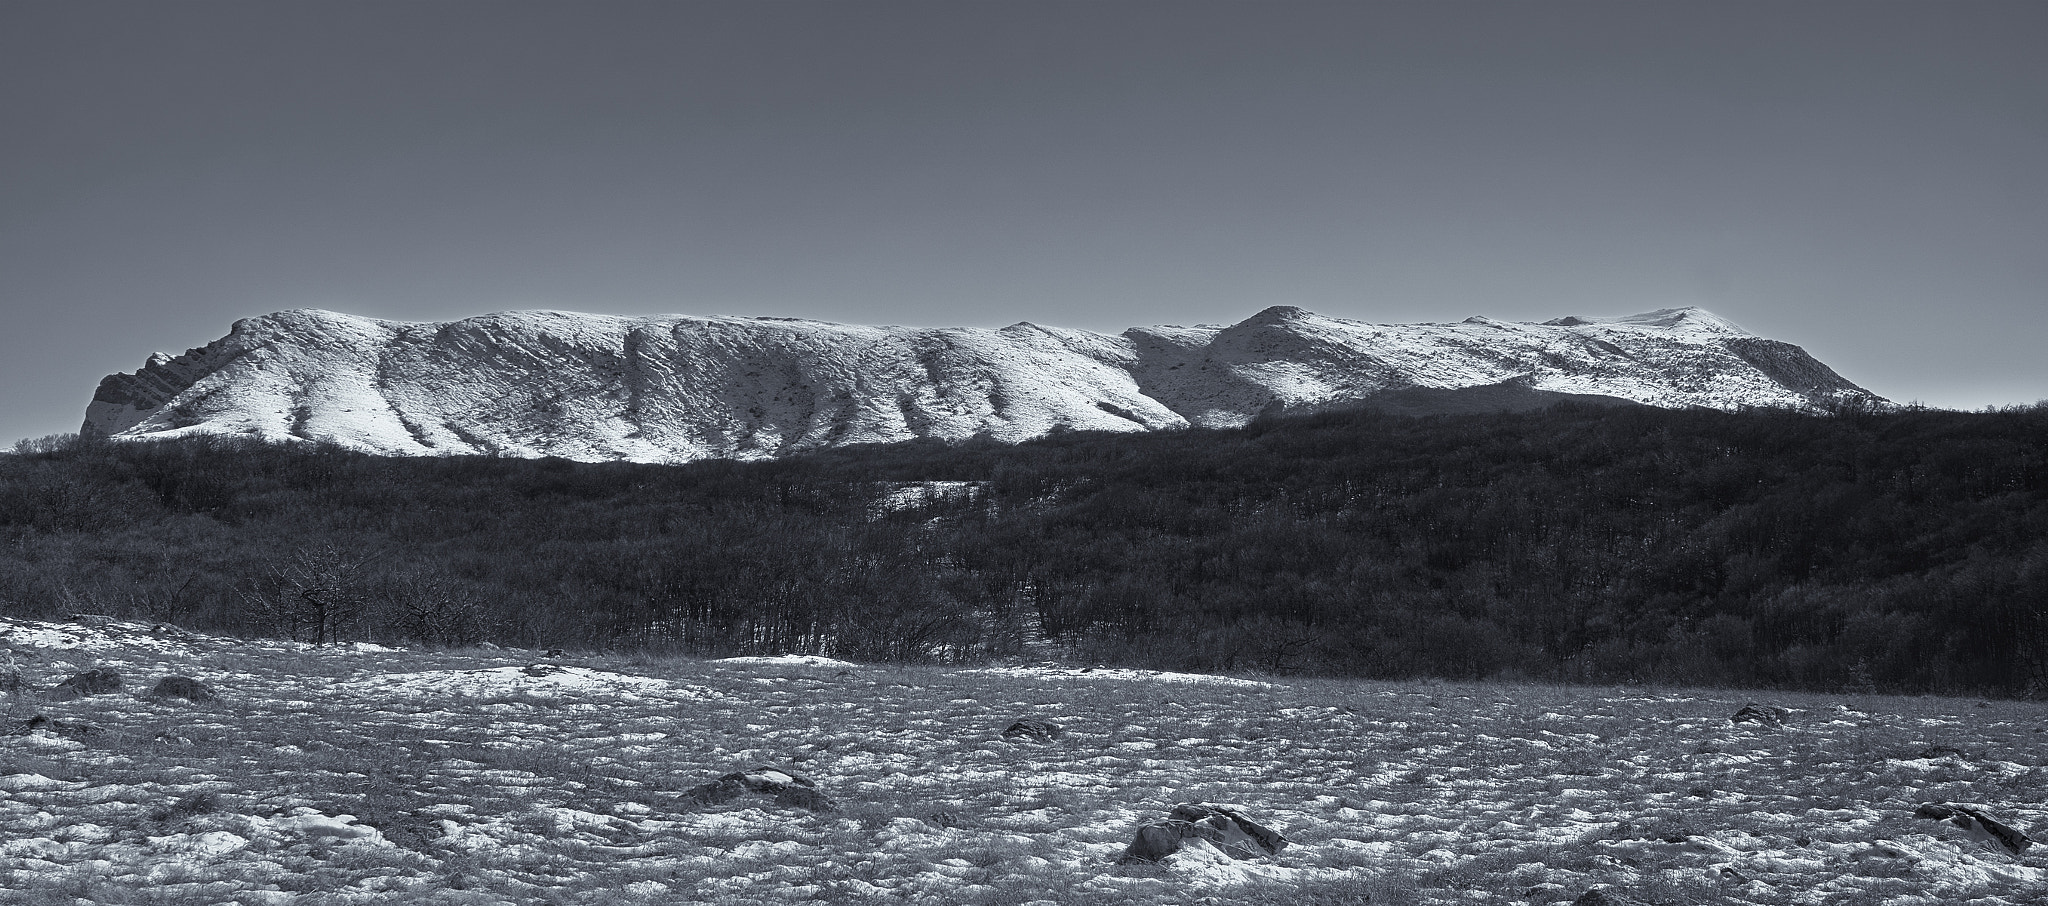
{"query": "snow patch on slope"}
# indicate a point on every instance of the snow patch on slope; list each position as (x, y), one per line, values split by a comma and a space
(500, 681)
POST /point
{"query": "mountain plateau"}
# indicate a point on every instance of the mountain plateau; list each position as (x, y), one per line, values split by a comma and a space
(674, 388)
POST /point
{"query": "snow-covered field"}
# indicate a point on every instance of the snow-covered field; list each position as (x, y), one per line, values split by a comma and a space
(370, 775)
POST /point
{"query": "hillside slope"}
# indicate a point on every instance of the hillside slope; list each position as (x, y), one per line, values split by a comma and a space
(675, 389)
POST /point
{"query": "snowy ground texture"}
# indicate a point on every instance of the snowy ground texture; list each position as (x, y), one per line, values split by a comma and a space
(367, 775)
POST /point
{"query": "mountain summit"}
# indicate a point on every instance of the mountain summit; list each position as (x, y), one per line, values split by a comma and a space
(673, 388)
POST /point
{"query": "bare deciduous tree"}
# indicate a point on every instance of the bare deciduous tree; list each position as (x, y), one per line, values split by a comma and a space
(433, 610)
(313, 594)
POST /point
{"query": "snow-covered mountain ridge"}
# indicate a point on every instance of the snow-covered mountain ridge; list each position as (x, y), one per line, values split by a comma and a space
(674, 388)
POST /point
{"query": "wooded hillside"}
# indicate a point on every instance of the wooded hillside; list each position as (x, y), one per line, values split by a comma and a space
(1900, 552)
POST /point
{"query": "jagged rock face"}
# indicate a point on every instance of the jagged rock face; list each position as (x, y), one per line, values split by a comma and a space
(672, 389)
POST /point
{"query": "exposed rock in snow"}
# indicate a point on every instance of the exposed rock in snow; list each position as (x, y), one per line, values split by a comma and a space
(181, 687)
(1039, 730)
(675, 388)
(1767, 715)
(43, 723)
(1226, 829)
(1979, 826)
(784, 787)
(1605, 896)
(91, 682)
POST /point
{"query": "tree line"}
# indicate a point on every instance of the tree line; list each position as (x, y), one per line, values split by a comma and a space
(1884, 551)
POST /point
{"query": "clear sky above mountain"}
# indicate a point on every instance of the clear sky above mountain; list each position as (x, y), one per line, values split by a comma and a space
(1864, 179)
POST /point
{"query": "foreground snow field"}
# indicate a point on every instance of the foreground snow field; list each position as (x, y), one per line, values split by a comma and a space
(368, 775)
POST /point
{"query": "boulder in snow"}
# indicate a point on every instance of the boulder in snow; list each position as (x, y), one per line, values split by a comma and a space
(183, 687)
(1034, 729)
(1224, 828)
(74, 729)
(1979, 826)
(96, 681)
(786, 788)
(1767, 715)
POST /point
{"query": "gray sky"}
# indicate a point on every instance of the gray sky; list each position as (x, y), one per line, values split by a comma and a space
(1866, 179)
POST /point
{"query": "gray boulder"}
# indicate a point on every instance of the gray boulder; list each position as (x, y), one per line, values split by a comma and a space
(786, 789)
(1767, 715)
(1225, 828)
(71, 729)
(1978, 826)
(96, 681)
(1033, 729)
(182, 687)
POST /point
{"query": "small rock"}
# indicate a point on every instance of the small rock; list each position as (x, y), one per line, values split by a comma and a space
(25, 727)
(92, 682)
(1605, 896)
(788, 789)
(1768, 715)
(183, 687)
(1040, 730)
(1225, 828)
(72, 729)
(173, 631)
(540, 669)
